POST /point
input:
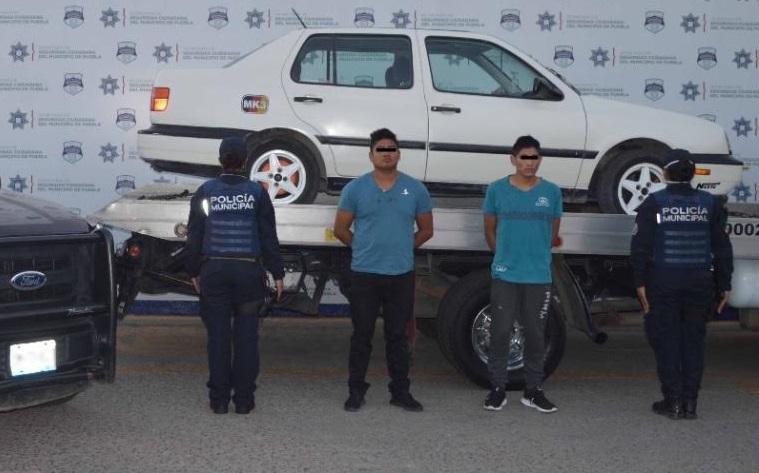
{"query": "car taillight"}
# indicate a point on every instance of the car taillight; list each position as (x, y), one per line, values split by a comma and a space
(159, 99)
(703, 172)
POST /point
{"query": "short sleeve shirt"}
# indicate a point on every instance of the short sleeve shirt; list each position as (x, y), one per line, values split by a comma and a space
(524, 228)
(383, 222)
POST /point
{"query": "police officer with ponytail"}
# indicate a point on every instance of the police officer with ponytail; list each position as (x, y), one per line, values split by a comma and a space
(681, 258)
(231, 241)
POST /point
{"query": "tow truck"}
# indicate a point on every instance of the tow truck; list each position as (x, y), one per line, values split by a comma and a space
(452, 269)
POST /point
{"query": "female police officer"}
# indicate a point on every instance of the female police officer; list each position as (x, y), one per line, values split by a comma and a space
(231, 232)
(679, 252)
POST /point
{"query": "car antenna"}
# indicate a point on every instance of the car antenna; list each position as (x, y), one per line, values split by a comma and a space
(299, 18)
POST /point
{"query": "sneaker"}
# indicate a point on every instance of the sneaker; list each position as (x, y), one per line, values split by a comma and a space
(496, 399)
(354, 402)
(670, 407)
(537, 400)
(406, 401)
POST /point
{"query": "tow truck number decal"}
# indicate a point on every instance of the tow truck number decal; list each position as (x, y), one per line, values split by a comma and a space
(743, 229)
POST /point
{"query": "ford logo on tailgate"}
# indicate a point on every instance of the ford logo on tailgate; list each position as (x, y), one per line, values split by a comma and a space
(28, 280)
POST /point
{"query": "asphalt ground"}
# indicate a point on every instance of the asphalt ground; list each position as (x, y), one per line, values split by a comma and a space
(155, 418)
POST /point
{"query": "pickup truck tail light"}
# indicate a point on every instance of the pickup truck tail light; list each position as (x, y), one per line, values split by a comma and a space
(159, 99)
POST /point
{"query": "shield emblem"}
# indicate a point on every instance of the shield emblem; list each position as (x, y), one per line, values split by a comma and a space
(72, 151)
(654, 89)
(707, 57)
(73, 83)
(364, 81)
(708, 116)
(124, 184)
(126, 51)
(217, 17)
(510, 19)
(363, 17)
(563, 55)
(125, 118)
(654, 21)
(73, 16)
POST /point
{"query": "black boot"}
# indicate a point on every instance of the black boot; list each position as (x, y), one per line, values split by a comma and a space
(689, 409)
(670, 407)
(355, 398)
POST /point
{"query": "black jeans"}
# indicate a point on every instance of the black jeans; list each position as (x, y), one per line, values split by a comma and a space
(681, 302)
(395, 296)
(230, 291)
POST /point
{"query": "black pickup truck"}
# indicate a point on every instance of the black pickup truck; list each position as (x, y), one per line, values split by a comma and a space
(57, 310)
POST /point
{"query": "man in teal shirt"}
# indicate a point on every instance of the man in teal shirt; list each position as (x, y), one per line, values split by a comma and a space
(383, 206)
(522, 215)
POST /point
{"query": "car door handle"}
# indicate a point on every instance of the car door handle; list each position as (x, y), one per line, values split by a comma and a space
(445, 108)
(308, 99)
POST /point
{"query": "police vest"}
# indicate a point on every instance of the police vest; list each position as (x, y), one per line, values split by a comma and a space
(231, 225)
(683, 232)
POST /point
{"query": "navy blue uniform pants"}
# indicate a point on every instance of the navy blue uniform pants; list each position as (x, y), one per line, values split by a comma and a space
(230, 294)
(394, 295)
(681, 302)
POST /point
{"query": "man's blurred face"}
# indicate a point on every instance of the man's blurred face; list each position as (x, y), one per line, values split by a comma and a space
(385, 155)
(527, 161)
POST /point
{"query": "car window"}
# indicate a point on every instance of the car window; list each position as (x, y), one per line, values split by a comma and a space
(355, 61)
(478, 67)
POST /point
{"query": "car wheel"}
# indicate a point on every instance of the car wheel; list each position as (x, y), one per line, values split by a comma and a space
(626, 182)
(287, 171)
(464, 333)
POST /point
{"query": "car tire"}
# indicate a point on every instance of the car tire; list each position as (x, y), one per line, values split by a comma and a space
(464, 302)
(296, 178)
(616, 190)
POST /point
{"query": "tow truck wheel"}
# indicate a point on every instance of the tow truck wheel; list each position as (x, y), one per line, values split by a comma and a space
(287, 171)
(626, 182)
(463, 328)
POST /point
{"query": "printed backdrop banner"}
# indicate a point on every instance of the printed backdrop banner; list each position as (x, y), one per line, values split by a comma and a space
(76, 75)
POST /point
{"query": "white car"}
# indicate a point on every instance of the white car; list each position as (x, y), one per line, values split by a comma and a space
(457, 101)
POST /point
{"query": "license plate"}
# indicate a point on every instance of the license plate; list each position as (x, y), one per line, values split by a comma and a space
(30, 358)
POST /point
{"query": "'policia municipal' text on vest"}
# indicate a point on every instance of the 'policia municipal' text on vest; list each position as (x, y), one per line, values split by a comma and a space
(231, 226)
(683, 236)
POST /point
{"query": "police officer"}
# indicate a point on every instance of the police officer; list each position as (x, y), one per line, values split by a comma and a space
(231, 238)
(680, 253)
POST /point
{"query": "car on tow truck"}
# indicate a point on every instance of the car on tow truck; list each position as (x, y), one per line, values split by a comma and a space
(308, 101)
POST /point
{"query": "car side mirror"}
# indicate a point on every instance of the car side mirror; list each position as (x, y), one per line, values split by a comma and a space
(544, 90)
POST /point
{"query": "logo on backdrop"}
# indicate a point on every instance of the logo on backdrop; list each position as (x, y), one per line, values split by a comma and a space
(654, 89)
(690, 23)
(19, 52)
(255, 19)
(510, 19)
(18, 120)
(599, 56)
(109, 85)
(109, 17)
(72, 151)
(741, 192)
(73, 83)
(742, 127)
(363, 17)
(124, 184)
(17, 184)
(162, 53)
(708, 116)
(401, 19)
(126, 51)
(742, 59)
(690, 91)
(217, 17)
(654, 21)
(546, 21)
(125, 118)
(707, 57)
(563, 55)
(73, 16)
(109, 153)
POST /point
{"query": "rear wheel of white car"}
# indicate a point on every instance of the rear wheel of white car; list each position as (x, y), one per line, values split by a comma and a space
(287, 171)
(626, 182)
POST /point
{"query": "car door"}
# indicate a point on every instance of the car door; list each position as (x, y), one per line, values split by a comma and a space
(481, 97)
(347, 85)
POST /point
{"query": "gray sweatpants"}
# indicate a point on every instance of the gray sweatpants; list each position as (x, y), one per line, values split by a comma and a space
(527, 304)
